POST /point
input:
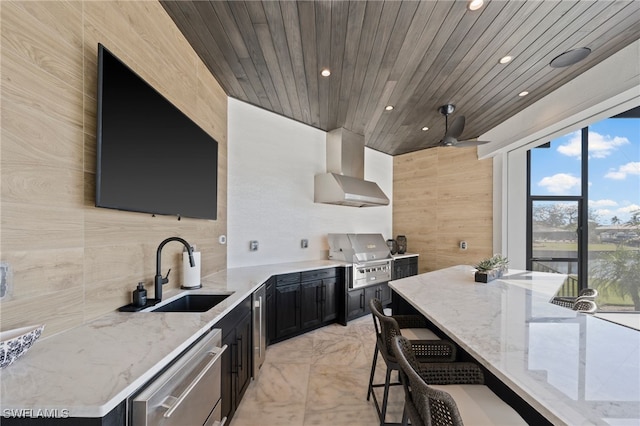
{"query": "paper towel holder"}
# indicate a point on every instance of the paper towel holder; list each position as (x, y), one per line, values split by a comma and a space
(191, 273)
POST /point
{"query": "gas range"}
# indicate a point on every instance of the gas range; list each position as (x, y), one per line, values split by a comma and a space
(368, 254)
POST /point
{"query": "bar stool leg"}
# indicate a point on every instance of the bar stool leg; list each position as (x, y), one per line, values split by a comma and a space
(385, 398)
(405, 417)
(373, 371)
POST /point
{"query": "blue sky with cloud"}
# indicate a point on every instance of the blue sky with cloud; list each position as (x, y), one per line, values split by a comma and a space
(614, 168)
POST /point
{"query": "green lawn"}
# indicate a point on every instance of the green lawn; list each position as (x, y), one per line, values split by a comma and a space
(562, 246)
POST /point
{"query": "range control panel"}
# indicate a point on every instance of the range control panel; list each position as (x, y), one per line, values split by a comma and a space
(371, 273)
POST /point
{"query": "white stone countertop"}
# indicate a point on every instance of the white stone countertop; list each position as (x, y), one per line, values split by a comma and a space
(573, 368)
(403, 255)
(90, 369)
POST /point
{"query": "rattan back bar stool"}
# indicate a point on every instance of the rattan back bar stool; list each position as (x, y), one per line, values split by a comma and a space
(568, 302)
(587, 306)
(425, 343)
(448, 394)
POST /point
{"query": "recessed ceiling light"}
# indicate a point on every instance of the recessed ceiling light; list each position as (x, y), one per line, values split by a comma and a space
(425, 128)
(388, 107)
(524, 93)
(325, 72)
(475, 4)
(506, 59)
(569, 58)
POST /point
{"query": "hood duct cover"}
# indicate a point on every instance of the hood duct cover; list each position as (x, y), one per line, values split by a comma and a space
(344, 183)
(333, 188)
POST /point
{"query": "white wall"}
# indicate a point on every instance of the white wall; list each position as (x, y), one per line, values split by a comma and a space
(609, 88)
(272, 163)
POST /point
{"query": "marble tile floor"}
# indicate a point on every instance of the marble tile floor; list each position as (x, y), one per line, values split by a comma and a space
(319, 378)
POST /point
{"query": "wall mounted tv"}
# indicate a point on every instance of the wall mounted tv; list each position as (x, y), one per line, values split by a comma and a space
(151, 157)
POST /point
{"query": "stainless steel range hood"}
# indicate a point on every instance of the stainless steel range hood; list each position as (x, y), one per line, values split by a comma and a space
(344, 183)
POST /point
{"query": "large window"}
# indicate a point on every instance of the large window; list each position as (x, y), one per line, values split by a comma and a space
(584, 210)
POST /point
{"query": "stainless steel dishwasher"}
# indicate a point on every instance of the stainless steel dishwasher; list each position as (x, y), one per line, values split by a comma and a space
(259, 328)
(188, 392)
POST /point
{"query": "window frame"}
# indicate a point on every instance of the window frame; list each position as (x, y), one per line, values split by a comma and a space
(583, 214)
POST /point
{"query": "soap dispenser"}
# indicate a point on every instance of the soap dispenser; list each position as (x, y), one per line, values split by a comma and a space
(140, 295)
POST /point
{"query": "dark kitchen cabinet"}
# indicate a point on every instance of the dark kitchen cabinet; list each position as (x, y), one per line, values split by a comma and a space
(319, 302)
(329, 299)
(270, 289)
(358, 299)
(237, 359)
(325, 282)
(355, 303)
(304, 301)
(381, 292)
(244, 354)
(287, 310)
(311, 297)
(404, 267)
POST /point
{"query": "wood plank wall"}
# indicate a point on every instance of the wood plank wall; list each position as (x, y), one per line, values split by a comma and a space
(71, 261)
(442, 196)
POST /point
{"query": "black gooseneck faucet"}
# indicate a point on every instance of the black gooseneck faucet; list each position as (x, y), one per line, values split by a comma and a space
(159, 280)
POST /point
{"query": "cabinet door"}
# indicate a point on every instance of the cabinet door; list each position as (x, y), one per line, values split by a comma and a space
(271, 310)
(287, 310)
(244, 355)
(370, 293)
(228, 379)
(400, 268)
(398, 271)
(329, 299)
(311, 306)
(381, 292)
(384, 294)
(236, 360)
(355, 303)
(413, 266)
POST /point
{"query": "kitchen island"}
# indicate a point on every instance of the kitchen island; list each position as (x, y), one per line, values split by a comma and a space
(573, 368)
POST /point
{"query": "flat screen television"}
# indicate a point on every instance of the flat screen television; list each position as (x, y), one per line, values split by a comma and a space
(151, 157)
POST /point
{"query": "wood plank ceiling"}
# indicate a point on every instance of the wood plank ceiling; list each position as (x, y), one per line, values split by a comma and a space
(414, 55)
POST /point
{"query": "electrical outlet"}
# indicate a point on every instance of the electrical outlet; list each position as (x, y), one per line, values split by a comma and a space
(253, 245)
(304, 243)
(4, 279)
(463, 245)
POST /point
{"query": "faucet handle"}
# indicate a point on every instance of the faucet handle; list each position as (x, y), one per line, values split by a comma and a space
(166, 278)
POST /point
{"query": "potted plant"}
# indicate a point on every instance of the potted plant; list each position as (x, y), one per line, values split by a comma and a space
(491, 268)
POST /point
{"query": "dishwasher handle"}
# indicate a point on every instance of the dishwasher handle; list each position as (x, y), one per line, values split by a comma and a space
(175, 402)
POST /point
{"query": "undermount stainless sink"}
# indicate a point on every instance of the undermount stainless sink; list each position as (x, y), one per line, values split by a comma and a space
(192, 303)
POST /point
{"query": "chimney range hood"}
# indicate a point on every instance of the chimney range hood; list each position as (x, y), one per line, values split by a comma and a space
(344, 183)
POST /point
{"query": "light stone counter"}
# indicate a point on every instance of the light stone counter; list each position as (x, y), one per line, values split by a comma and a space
(573, 368)
(90, 369)
(403, 255)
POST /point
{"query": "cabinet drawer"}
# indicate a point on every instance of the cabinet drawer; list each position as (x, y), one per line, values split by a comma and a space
(318, 274)
(286, 279)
